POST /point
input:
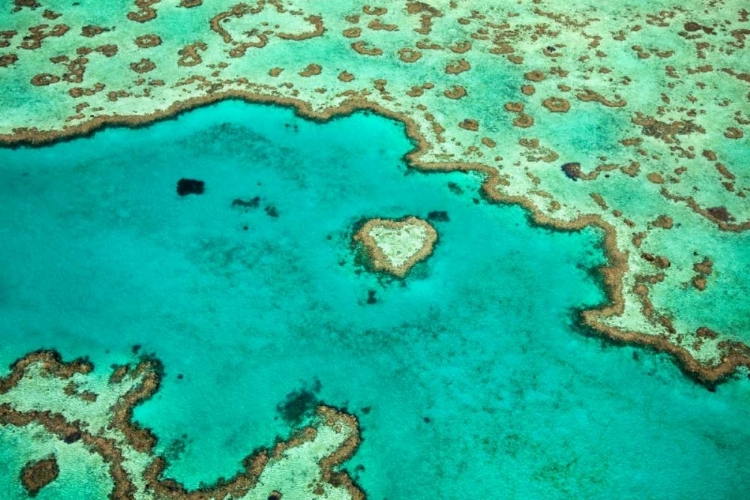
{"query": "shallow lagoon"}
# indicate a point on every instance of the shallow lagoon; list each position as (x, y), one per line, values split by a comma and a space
(469, 377)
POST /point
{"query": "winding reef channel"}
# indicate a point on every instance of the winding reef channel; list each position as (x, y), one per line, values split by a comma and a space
(483, 368)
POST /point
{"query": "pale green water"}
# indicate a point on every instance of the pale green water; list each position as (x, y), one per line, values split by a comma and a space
(469, 378)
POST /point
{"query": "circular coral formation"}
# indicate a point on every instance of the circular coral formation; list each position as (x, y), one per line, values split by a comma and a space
(352, 32)
(457, 67)
(556, 104)
(523, 121)
(365, 49)
(146, 41)
(534, 76)
(143, 66)
(455, 92)
(409, 55)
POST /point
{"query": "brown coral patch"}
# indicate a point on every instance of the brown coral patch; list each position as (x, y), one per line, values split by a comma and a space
(51, 15)
(455, 92)
(142, 66)
(705, 266)
(240, 49)
(427, 13)
(190, 56)
(318, 30)
(5, 38)
(345, 76)
(655, 178)
(457, 67)
(77, 92)
(460, 47)
(469, 124)
(415, 91)
(556, 104)
(91, 31)
(274, 72)
(528, 89)
(535, 76)
(733, 133)
(36, 475)
(374, 11)
(363, 48)
(699, 282)
(189, 4)
(353, 32)
(43, 79)
(146, 41)
(523, 121)
(719, 215)
(31, 4)
(588, 95)
(378, 25)
(665, 131)
(145, 12)
(107, 50)
(7, 59)
(311, 70)
(38, 33)
(409, 55)
(664, 222)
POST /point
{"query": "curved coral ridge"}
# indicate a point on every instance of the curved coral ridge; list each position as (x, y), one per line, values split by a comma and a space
(645, 102)
(394, 246)
(73, 406)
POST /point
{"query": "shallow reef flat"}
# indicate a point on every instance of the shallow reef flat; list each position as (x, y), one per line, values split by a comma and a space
(76, 416)
(629, 116)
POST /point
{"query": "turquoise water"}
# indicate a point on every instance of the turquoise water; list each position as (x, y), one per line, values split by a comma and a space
(469, 378)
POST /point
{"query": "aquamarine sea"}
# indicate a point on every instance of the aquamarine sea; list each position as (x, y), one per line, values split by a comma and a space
(470, 378)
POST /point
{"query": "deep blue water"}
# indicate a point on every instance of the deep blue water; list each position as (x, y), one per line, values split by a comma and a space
(469, 378)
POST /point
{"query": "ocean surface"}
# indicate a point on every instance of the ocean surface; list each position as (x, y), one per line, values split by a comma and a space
(470, 378)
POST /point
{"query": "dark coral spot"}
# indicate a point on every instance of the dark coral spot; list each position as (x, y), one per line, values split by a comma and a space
(190, 186)
(455, 188)
(720, 213)
(271, 211)
(72, 437)
(298, 405)
(572, 170)
(251, 203)
(438, 216)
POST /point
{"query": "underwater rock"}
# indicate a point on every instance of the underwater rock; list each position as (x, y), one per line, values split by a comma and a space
(190, 186)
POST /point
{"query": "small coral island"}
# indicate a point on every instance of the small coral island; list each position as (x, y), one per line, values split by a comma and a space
(394, 246)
